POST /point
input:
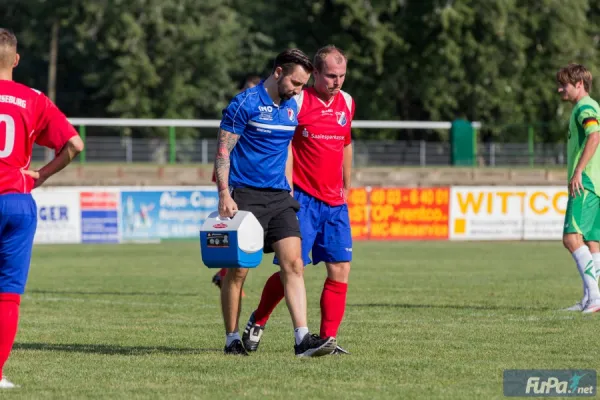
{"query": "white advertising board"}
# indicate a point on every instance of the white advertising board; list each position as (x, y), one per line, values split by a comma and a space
(59, 217)
(506, 212)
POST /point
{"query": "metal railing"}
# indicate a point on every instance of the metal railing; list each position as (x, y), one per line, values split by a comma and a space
(174, 149)
(366, 152)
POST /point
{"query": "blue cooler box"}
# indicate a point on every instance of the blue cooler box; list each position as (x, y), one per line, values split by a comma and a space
(231, 242)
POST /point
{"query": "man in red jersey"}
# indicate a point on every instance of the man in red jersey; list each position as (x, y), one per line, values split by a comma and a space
(26, 117)
(322, 162)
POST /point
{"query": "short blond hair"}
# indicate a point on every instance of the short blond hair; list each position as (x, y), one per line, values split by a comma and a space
(8, 48)
(323, 52)
(574, 73)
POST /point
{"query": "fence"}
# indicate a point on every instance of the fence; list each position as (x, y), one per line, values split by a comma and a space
(367, 152)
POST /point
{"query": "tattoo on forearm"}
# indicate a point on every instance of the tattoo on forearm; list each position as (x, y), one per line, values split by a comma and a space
(225, 143)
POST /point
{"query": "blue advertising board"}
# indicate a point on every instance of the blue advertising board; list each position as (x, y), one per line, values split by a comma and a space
(168, 214)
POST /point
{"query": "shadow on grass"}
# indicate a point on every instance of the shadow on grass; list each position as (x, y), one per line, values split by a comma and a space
(111, 349)
(113, 293)
(451, 306)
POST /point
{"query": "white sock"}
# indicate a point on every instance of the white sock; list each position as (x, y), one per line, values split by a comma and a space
(585, 265)
(300, 333)
(596, 257)
(230, 337)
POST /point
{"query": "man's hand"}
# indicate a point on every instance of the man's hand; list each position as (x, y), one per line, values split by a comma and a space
(346, 193)
(576, 183)
(227, 206)
(64, 157)
(38, 179)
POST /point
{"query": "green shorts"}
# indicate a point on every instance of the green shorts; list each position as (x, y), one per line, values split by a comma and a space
(583, 216)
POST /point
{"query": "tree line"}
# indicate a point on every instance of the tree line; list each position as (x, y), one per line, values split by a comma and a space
(492, 61)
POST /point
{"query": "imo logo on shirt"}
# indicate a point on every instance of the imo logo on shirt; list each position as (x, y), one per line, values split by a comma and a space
(549, 383)
(266, 113)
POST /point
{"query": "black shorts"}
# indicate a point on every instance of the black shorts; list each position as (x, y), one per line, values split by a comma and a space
(275, 210)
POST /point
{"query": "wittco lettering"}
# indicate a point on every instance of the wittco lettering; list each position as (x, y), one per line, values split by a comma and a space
(507, 201)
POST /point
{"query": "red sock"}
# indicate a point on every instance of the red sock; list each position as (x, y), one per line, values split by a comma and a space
(222, 272)
(9, 319)
(333, 305)
(272, 294)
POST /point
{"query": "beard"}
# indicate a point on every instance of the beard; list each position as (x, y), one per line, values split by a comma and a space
(283, 95)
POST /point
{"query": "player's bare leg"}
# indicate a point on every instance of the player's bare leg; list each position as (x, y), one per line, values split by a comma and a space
(218, 279)
(585, 265)
(333, 300)
(288, 252)
(339, 271)
(231, 305)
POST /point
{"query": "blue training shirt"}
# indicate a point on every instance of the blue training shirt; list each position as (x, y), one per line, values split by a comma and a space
(259, 157)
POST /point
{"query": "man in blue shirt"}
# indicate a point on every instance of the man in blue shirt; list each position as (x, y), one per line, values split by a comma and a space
(253, 174)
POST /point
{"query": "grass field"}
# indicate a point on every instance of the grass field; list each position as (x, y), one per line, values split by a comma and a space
(424, 321)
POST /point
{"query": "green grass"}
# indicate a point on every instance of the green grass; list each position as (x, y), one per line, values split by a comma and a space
(424, 321)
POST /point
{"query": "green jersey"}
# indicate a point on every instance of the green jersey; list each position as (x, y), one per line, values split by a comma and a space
(585, 119)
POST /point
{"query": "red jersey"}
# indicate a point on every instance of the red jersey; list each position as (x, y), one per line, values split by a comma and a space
(318, 145)
(26, 117)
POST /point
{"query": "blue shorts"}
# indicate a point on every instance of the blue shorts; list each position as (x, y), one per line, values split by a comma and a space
(325, 230)
(18, 221)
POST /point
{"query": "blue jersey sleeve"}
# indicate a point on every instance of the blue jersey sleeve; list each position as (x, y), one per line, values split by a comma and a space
(236, 115)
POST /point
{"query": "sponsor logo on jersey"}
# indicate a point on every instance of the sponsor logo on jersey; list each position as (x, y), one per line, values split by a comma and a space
(220, 226)
(341, 118)
(291, 114)
(266, 113)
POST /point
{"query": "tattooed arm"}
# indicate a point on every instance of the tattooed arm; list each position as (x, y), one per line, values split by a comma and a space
(225, 143)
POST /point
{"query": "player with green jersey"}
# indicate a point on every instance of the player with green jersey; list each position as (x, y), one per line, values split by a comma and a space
(582, 219)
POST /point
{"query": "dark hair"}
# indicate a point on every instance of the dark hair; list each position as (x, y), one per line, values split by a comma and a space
(290, 58)
(574, 73)
(322, 54)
